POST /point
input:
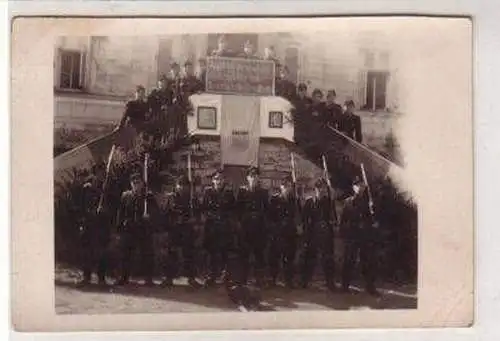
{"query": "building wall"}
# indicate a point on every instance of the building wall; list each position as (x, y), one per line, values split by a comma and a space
(115, 65)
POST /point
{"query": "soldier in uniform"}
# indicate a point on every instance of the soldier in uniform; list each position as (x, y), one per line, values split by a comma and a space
(218, 205)
(333, 110)
(319, 221)
(136, 111)
(137, 210)
(95, 224)
(222, 50)
(302, 106)
(202, 73)
(283, 211)
(358, 230)
(248, 51)
(284, 87)
(182, 233)
(175, 98)
(252, 204)
(158, 101)
(350, 123)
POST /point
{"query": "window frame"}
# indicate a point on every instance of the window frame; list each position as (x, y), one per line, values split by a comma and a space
(214, 127)
(80, 87)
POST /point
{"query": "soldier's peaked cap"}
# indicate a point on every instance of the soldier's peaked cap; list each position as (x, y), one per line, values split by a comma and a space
(302, 86)
(140, 88)
(317, 92)
(349, 102)
(253, 171)
(188, 62)
(174, 64)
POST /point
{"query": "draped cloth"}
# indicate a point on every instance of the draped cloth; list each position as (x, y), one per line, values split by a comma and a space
(240, 130)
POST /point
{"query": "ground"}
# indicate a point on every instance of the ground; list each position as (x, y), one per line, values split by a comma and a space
(71, 299)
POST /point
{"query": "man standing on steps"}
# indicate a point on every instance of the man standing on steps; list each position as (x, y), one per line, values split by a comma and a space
(136, 215)
(284, 87)
(319, 235)
(350, 123)
(252, 205)
(359, 232)
(158, 101)
(182, 234)
(175, 96)
(136, 111)
(302, 106)
(222, 50)
(283, 210)
(218, 206)
(333, 110)
(95, 225)
(248, 51)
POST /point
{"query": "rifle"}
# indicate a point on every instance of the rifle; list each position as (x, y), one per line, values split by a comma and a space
(330, 190)
(191, 189)
(146, 162)
(370, 198)
(106, 178)
(296, 195)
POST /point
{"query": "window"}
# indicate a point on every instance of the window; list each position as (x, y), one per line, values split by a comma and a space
(71, 70)
(207, 118)
(275, 119)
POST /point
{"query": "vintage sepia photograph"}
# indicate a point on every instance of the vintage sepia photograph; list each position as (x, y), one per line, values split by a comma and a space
(230, 171)
(174, 174)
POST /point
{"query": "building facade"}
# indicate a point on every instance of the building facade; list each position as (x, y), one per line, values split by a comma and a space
(95, 76)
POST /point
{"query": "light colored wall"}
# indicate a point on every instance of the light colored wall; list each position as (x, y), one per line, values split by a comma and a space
(75, 112)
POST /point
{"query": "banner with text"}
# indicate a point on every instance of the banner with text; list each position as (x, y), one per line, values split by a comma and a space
(240, 76)
(240, 130)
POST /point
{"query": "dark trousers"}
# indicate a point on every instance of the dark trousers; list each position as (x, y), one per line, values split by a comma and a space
(319, 242)
(181, 239)
(282, 253)
(252, 243)
(94, 241)
(217, 243)
(141, 241)
(360, 242)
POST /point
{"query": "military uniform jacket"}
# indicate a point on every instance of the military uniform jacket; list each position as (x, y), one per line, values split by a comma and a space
(252, 204)
(190, 85)
(334, 114)
(350, 124)
(286, 89)
(318, 214)
(136, 111)
(174, 91)
(218, 204)
(282, 213)
(131, 212)
(183, 209)
(158, 100)
(356, 211)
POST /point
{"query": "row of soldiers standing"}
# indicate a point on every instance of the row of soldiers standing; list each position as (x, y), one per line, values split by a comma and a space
(251, 224)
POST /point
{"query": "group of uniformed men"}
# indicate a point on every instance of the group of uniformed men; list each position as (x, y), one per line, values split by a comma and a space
(251, 224)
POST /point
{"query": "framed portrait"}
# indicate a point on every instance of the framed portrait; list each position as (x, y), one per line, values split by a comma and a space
(275, 119)
(207, 118)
